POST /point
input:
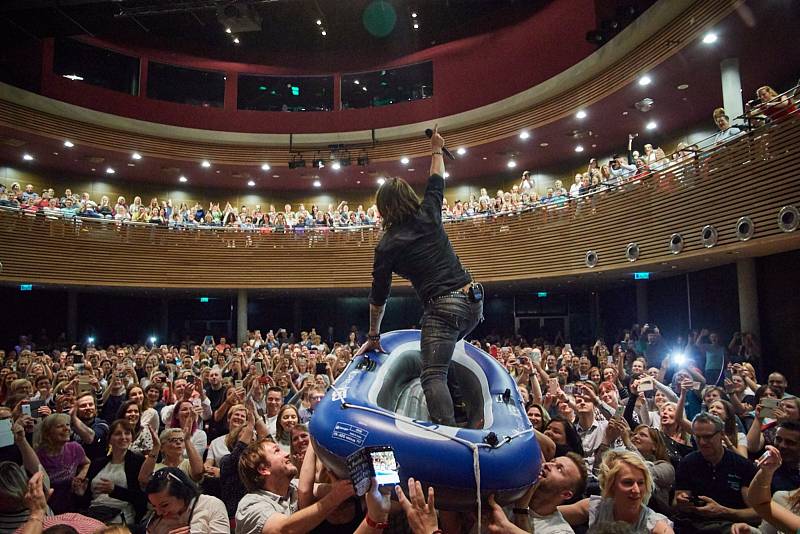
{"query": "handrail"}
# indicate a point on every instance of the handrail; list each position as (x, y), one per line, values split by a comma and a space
(752, 176)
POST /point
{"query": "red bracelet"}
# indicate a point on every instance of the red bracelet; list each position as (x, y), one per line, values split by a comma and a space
(373, 524)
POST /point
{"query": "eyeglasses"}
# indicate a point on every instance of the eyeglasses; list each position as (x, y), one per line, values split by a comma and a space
(176, 441)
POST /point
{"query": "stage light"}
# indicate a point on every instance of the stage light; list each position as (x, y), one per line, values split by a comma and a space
(524, 135)
(511, 164)
(364, 88)
(414, 15)
(227, 30)
(381, 180)
(153, 340)
(69, 144)
(265, 167)
(461, 151)
(183, 179)
(319, 22)
(236, 40)
(710, 38)
(651, 125)
(109, 170)
(206, 164)
(336, 166)
(90, 340)
(136, 156)
(446, 175)
(317, 183)
(416, 25)
(404, 160)
(678, 358)
(581, 114)
(251, 183)
(27, 157)
(356, 82)
(324, 33)
(579, 148)
(645, 80)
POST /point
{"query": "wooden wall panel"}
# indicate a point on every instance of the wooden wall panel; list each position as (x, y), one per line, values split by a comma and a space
(754, 175)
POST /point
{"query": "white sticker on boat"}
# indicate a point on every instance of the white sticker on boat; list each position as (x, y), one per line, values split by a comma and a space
(350, 433)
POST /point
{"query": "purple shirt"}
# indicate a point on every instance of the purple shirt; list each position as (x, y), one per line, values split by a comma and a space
(61, 469)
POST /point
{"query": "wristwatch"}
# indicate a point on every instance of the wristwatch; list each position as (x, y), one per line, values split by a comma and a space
(374, 337)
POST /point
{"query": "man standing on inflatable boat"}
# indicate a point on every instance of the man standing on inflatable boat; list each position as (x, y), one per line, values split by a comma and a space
(416, 247)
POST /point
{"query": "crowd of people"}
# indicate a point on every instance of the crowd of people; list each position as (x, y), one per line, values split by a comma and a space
(620, 169)
(646, 434)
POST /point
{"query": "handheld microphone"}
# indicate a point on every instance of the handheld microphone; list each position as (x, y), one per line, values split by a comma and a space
(446, 152)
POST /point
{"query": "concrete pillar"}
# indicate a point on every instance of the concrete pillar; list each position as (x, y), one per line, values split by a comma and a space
(748, 296)
(241, 316)
(163, 326)
(72, 315)
(731, 87)
(641, 302)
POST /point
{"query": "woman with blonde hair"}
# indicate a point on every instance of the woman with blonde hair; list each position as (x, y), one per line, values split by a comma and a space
(625, 489)
(63, 460)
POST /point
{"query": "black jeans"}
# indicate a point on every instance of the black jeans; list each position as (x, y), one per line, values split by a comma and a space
(445, 321)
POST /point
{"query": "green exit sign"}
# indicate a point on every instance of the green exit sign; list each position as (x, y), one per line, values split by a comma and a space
(203, 299)
(541, 294)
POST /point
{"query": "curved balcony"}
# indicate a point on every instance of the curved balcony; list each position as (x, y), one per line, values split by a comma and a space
(754, 176)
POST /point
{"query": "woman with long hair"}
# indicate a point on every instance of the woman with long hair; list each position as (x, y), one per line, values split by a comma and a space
(731, 437)
(141, 439)
(564, 435)
(222, 445)
(625, 489)
(149, 416)
(179, 506)
(113, 479)
(64, 461)
(538, 416)
(287, 417)
(649, 442)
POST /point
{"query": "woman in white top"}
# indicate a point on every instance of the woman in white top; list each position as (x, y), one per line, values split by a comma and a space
(178, 504)
(625, 485)
(220, 447)
(148, 415)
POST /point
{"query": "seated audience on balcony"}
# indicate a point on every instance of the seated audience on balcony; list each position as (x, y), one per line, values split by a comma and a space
(771, 105)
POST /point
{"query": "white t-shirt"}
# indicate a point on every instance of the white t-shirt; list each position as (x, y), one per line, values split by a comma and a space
(218, 449)
(549, 524)
(116, 474)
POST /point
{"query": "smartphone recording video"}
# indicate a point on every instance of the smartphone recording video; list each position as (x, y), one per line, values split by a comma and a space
(385, 466)
(378, 462)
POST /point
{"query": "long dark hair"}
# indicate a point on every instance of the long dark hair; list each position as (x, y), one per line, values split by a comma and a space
(396, 201)
(574, 443)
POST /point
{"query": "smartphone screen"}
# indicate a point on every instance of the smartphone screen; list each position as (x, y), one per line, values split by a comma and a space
(385, 466)
(768, 407)
(619, 411)
(552, 386)
(645, 385)
(26, 409)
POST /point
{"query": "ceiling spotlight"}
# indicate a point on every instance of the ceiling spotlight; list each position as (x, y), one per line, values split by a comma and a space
(336, 166)
(206, 164)
(136, 156)
(324, 33)
(544, 144)
(183, 179)
(317, 183)
(404, 160)
(416, 25)
(265, 167)
(581, 114)
(356, 82)
(683, 87)
(69, 144)
(651, 125)
(319, 22)
(414, 15)
(381, 180)
(446, 174)
(710, 38)
(511, 164)
(645, 80)
(251, 183)
(236, 40)
(461, 151)
(227, 30)
(364, 88)
(27, 157)
(579, 148)
(109, 170)
(73, 77)
(524, 135)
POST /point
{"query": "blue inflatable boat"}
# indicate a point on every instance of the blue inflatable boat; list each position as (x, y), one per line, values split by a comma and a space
(378, 400)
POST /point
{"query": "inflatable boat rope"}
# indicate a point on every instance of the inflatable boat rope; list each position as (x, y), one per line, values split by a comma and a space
(476, 464)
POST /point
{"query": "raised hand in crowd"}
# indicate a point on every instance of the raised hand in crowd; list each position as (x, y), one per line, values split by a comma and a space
(421, 513)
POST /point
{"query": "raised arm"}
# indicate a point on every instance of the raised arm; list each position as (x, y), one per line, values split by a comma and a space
(437, 158)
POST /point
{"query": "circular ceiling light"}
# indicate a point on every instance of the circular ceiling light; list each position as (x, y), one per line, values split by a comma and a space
(524, 135)
(404, 160)
(205, 164)
(136, 156)
(579, 148)
(27, 157)
(336, 166)
(683, 87)
(317, 183)
(511, 164)
(109, 170)
(265, 167)
(69, 144)
(381, 180)
(544, 144)
(461, 151)
(710, 38)
(446, 174)
(581, 114)
(651, 125)
(183, 179)
(645, 80)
